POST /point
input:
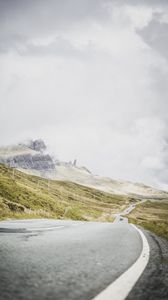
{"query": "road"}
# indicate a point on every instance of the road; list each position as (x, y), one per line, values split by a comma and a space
(119, 216)
(64, 260)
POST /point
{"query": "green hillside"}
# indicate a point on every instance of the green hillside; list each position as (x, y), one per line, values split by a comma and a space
(152, 215)
(26, 196)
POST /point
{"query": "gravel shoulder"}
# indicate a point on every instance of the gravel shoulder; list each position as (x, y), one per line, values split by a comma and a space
(153, 284)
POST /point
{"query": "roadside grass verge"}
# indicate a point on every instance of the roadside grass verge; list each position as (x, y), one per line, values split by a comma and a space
(152, 215)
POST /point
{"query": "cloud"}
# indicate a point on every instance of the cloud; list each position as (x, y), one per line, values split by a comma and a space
(37, 17)
(85, 76)
(155, 34)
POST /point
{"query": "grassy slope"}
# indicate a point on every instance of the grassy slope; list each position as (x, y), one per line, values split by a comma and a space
(26, 196)
(153, 215)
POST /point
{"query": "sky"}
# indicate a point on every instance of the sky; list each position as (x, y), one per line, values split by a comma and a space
(90, 77)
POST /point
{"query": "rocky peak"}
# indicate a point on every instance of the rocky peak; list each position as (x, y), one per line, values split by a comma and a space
(37, 145)
(27, 156)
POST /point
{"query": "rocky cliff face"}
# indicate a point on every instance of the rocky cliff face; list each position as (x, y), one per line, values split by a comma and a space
(27, 161)
(27, 156)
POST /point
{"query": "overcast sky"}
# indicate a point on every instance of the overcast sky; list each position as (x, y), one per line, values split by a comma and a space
(90, 77)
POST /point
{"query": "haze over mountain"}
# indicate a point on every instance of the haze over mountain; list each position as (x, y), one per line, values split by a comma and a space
(90, 78)
(33, 158)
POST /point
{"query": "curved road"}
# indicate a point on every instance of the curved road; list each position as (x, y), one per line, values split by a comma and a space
(64, 260)
(46, 259)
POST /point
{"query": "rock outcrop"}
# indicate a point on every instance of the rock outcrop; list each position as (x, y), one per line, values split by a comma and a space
(25, 159)
(37, 145)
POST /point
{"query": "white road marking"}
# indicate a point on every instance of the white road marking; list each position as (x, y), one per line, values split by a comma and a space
(46, 228)
(121, 287)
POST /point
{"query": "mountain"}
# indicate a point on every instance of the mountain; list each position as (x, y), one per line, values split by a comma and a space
(32, 158)
(26, 196)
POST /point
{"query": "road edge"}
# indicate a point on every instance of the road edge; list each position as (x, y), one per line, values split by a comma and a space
(122, 286)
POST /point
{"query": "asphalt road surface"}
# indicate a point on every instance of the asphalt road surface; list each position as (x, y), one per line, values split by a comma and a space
(64, 260)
